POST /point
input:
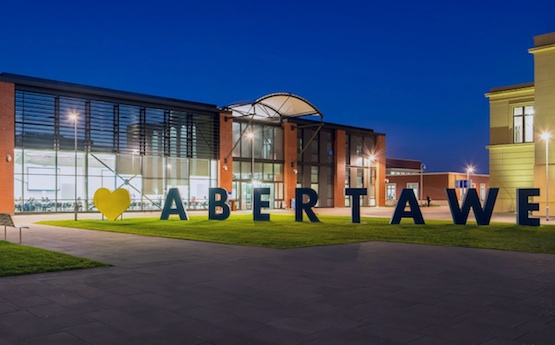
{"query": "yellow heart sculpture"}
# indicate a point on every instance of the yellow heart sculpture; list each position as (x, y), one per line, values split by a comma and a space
(112, 204)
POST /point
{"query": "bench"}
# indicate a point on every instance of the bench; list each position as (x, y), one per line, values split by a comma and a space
(7, 221)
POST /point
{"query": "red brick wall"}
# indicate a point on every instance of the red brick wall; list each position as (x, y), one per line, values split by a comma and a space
(435, 183)
(7, 128)
(290, 158)
(225, 176)
(339, 152)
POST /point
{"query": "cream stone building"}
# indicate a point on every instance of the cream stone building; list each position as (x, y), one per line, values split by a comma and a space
(522, 133)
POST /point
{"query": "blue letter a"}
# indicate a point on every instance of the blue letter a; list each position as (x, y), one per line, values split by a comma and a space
(407, 195)
(173, 196)
(483, 216)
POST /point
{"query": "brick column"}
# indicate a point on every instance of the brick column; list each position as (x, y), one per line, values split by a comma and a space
(380, 169)
(339, 151)
(7, 145)
(225, 165)
(290, 159)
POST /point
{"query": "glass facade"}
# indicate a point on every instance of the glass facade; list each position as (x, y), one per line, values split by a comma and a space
(361, 170)
(113, 144)
(70, 140)
(265, 149)
(315, 161)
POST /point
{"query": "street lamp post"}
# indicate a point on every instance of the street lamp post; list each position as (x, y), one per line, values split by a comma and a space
(469, 170)
(422, 168)
(251, 137)
(545, 136)
(371, 159)
(74, 117)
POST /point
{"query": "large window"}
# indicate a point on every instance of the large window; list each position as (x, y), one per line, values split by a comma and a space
(268, 141)
(361, 171)
(391, 192)
(142, 149)
(315, 159)
(267, 172)
(523, 124)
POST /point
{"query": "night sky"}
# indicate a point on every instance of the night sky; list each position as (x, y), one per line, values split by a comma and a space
(416, 71)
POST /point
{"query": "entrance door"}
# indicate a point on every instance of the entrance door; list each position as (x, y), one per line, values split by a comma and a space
(245, 195)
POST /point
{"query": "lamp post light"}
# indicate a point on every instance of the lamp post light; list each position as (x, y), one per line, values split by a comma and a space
(422, 168)
(371, 159)
(73, 116)
(250, 135)
(546, 136)
(469, 170)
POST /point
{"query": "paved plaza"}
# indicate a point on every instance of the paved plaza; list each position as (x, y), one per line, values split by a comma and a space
(166, 291)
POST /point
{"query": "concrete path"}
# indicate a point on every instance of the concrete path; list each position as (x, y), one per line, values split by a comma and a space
(164, 291)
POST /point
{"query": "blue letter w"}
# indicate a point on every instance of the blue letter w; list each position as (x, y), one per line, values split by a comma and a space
(483, 216)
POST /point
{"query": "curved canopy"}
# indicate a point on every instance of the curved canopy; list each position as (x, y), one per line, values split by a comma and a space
(276, 107)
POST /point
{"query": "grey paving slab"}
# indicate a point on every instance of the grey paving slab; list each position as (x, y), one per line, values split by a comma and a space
(163, 291)
(98, 333)
(24, 324)
(59, 316)
(62, 338)
(334, 336)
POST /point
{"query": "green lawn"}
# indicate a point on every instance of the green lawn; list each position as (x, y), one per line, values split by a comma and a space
(17, 259)
(283, 232)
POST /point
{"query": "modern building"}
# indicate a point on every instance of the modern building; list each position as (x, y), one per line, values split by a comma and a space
(410, 174)
(519, 115)
(61, 142)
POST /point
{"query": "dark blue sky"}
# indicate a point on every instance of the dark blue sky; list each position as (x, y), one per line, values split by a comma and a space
(416, 71)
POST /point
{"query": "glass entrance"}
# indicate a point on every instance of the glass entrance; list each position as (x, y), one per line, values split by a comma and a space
(242, 192)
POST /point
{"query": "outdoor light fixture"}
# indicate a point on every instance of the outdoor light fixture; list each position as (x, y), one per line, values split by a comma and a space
(546, 136)
(371, 158)
(422, 168)
(250, 135)
(469, 170)
(73, 116)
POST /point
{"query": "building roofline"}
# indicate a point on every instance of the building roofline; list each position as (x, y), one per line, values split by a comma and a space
(40, 83)
(334, 125)
(453, 172)
(511, 87)
(403, 159)
(439, 173)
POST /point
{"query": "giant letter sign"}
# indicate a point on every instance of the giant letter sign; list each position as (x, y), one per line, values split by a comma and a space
(213, 203)
(258, 204)
(355, 205)
(300, 206)
(523, 207)
(407, 195)
(173, 196)
(483, 216)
